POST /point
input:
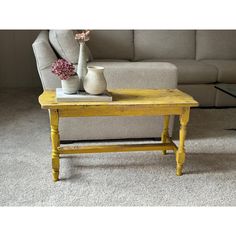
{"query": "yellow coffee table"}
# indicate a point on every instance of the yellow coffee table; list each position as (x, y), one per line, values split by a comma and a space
(126, 102)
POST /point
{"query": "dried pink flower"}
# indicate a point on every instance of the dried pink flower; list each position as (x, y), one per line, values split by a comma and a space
(83, 37)
(63, 69)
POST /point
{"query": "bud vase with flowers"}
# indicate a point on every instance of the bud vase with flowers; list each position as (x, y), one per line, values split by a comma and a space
(66, 72)
(92, 77)
(82, 37)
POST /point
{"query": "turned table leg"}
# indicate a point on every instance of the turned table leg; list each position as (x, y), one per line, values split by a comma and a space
(165, 132)
(54, 119)
(180, 154)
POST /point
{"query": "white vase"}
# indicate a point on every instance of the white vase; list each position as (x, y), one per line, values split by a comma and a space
(82, 64)
(70, 85)
(94, 81)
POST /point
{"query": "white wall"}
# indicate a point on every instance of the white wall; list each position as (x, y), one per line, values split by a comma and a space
(17, 62)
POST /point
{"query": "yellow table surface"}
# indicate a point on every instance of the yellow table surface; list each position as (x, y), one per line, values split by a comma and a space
(126, 97)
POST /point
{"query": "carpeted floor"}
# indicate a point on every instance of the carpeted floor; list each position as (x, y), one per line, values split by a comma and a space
(121, 179)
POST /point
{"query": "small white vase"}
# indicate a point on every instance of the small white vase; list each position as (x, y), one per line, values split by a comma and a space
(94, 81)
(82, 64)
(70, 85)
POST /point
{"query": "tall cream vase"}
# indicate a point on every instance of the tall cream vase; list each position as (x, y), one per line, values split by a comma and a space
(82, 64)
(70, 85)
(94, 81)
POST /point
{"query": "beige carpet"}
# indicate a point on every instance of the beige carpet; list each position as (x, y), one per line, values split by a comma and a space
(121, 179)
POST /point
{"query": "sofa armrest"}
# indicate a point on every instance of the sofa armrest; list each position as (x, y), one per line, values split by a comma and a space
(44, 55)
(43, 51)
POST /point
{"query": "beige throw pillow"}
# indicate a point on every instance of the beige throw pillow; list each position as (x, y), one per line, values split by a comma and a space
(64, 43)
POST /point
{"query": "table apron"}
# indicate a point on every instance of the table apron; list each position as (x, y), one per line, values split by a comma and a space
(121, 111)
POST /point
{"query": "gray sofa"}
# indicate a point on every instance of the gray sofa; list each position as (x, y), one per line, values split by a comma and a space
(134, 59)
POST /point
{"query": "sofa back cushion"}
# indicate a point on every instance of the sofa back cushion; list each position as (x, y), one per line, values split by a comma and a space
(111, 44)
(216, 44)
(164, 44)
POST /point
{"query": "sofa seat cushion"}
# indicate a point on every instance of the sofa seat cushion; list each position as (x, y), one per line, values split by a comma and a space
(124, 74)
(164, 44)
(194, 72)
(226, 70)
(205, 94)
(215, 44)
(138, 74)
(111, 44)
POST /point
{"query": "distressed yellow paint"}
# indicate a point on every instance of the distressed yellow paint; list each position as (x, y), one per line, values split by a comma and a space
(125, 97)
(165, 132)
(55, 143)
(180, 155)
(120, 110)
(126, 102)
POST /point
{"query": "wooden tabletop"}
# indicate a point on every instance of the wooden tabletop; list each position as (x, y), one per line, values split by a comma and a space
(126, 97)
